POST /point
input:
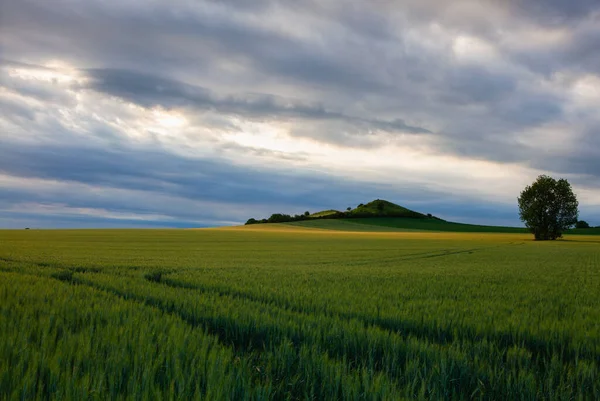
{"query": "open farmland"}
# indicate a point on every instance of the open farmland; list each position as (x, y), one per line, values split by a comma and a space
(291, 312)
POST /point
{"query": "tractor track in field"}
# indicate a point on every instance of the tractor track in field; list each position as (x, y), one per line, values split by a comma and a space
(541, 350)
(260, 339)
(420, 255)
(405, 328)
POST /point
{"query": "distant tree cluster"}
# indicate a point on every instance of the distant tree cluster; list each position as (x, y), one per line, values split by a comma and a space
(280, 218)
(582, 224)
(287, 218)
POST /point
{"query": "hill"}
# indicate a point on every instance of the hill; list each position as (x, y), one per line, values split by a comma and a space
(383, 208)
(377, 208)
(324, 213)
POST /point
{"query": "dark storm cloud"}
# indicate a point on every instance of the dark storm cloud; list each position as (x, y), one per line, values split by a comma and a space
(583, 159)
(580, 53)
(188, 38)
(145, 170)
(351, 65)
(472, 84)
(491, 19)
(555, 12)
(149, 90)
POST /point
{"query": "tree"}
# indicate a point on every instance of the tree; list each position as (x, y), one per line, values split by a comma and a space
(582, 224)
(548, 207)
(279, 218)
(348, 208)
(307, 213)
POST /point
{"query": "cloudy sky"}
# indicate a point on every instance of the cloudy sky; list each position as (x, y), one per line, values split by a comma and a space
(187, 113)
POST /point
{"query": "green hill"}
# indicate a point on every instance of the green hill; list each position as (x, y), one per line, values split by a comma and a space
(376, 208)
(383, 208)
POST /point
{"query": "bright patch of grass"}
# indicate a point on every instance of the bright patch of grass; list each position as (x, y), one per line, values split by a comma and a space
(324, 213)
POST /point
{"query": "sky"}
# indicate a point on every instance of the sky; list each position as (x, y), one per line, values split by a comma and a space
(189, 113)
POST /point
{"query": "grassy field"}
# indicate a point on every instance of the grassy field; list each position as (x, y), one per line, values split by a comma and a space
(412, 224)
(293, 313)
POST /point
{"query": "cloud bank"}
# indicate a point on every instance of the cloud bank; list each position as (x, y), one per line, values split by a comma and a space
(207, 113)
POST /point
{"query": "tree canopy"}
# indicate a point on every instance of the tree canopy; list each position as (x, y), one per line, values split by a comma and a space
(548, 207)
(582, 224)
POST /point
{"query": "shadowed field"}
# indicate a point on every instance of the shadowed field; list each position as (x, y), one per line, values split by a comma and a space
(293, 312)
(397, 224)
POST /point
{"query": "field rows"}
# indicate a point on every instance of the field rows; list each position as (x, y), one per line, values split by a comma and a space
(294, 315)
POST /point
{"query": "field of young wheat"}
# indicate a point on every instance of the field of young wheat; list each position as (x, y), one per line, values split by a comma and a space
(288, 313)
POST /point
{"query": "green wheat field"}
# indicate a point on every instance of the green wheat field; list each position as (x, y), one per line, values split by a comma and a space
(294, 312)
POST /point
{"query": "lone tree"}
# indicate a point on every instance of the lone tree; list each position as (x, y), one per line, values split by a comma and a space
(548, 207)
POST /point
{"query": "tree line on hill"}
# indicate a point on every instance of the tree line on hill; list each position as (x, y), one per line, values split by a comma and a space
(281, 218)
